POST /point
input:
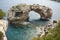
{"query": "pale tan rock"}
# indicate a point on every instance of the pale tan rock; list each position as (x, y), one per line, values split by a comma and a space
(3, 27)
(22, 10)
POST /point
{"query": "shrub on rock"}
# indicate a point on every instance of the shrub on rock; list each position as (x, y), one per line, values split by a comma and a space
(2, 14)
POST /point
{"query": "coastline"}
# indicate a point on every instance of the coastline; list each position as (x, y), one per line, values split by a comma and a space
(3, 28)
(45, 30)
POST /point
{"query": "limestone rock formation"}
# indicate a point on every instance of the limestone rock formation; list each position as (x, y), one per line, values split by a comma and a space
(19, 13)
(3, 29)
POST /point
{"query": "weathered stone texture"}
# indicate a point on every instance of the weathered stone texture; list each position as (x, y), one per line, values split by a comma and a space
(20, 12)
(3, 29)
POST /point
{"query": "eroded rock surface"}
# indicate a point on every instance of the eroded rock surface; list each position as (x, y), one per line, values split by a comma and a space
(19, 13)
(3, 29)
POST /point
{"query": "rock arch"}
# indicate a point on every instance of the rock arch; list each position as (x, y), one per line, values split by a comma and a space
(20, 12)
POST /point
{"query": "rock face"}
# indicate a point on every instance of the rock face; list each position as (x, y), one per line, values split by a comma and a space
(19, 13)
(3, 29)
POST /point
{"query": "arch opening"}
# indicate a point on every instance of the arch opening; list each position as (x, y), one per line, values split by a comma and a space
(33, 15)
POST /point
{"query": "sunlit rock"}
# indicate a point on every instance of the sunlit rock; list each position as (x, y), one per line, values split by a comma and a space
(3, 29)
(19, 13)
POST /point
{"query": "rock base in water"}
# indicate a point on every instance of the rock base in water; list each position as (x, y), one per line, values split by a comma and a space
(19, 13)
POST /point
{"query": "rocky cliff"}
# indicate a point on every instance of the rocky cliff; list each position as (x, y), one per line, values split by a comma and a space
(3, 29)
(19, 13)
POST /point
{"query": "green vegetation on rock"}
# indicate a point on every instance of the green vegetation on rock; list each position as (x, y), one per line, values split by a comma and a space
(1, 35)
(54, 34)
(2, 14)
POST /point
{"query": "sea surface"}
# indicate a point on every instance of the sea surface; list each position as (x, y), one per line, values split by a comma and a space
(27, 32)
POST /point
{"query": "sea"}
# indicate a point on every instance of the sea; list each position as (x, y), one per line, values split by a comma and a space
(28, 31)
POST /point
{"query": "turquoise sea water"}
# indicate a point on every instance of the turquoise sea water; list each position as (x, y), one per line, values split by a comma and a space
(28, 31)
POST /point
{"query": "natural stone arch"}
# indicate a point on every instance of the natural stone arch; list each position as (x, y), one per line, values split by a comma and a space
(44, 12)
(24, 9)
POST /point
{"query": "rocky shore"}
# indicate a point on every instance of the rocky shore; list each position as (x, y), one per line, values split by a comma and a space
(3, 29)
(45, 30)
